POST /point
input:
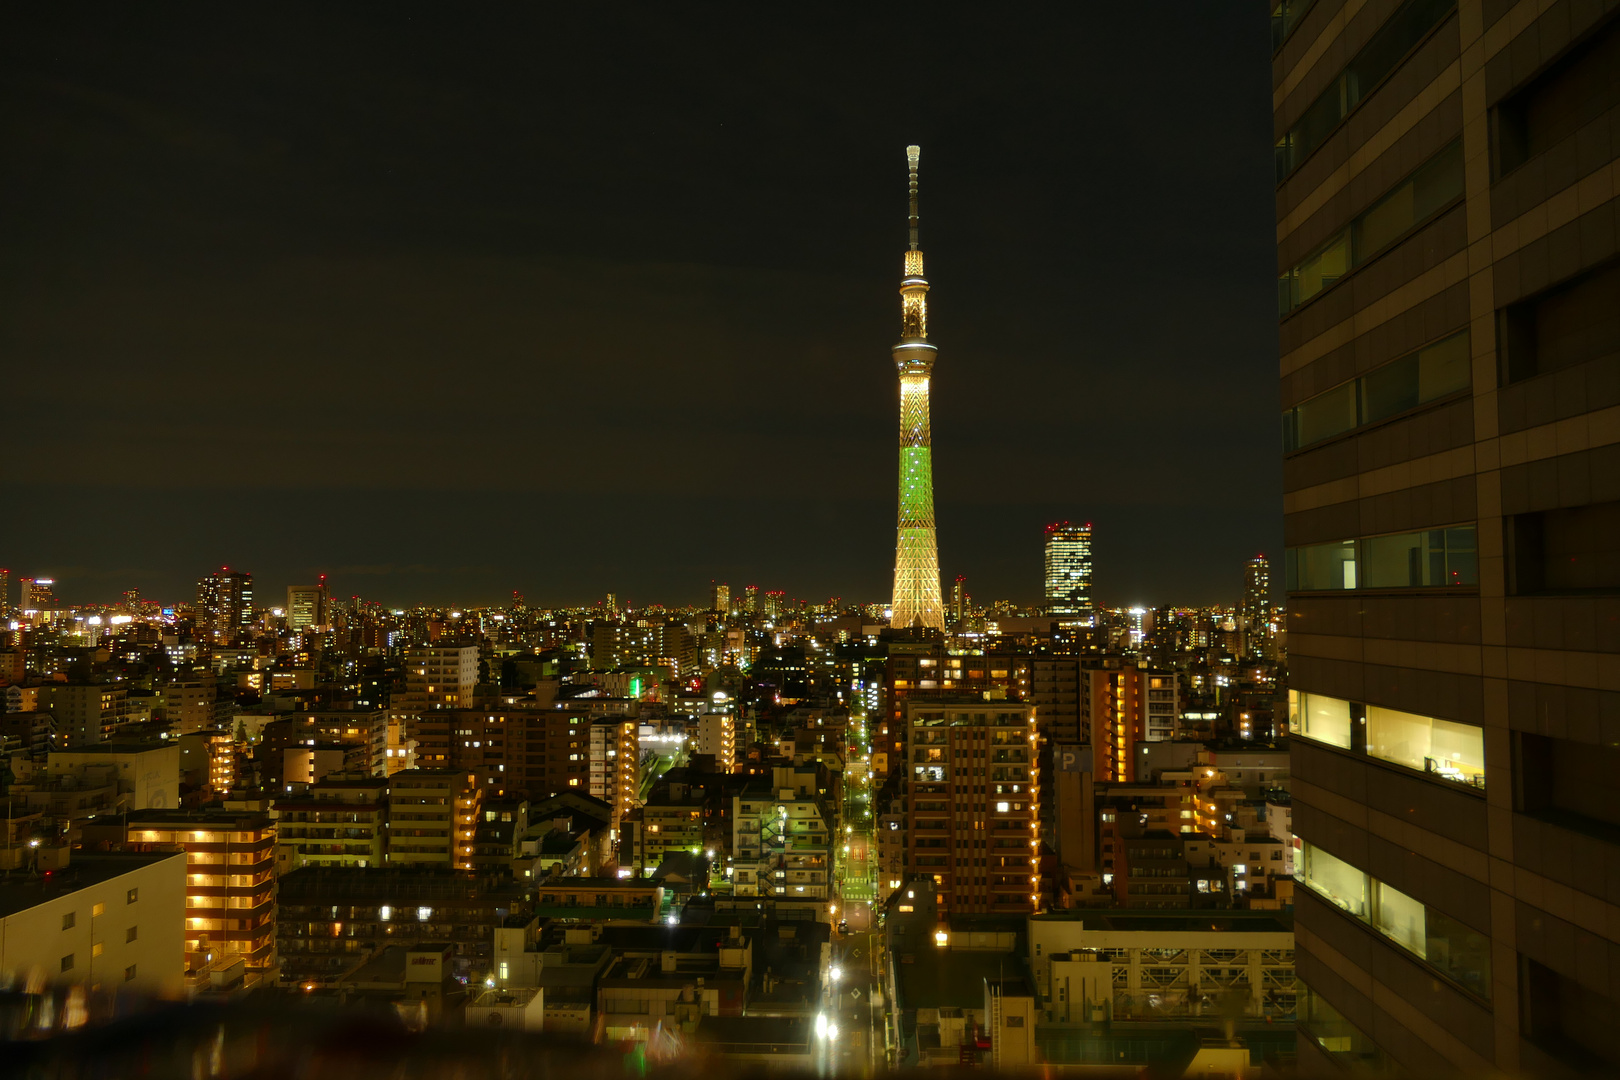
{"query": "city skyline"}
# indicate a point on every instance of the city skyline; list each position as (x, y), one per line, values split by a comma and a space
(273, 319)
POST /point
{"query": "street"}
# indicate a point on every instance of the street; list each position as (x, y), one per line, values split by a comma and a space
(853, 1043)
(851, 1033)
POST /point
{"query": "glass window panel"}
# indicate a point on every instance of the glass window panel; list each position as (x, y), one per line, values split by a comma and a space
(1322, 566)
(1338, 1037)
(1415, 200)
(1409, 25)
(1438, 183)
(1443, 368)
(1334, 880)
(1326, 415)
(1406, 560)
(1324, 719)
(1323, 269)
(1462, 556)
(1399, 917)
(1285, 15)
(1390, 389)
(1404, 29)
(1442, 747)
(1458, 951)
(1384, 221)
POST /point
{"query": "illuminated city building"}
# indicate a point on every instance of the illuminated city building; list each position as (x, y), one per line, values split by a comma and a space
(307, 606)
(1254, 615)
(230, 879)
(112, 923)
(615, 764)
(431, 817)
(722, 599)
(1447, 289)
(439, 677)
(342, 821)
(1068, 571)
(959, 599)
(86, 713)
(916, 555)
(716, 734)
(34, 595)
(781, 837)
(973, 821)
(1123, 706)
(224, 605)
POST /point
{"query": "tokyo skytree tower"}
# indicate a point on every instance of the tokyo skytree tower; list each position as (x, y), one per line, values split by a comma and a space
(916, 551)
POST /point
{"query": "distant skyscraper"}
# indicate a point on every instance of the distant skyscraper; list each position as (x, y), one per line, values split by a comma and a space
(959, 598)
(722, 599)
(916, 554)
(224, 605)
(1068, 570)
(5, 590)
(1255, 611)
(34, 594)
(307, 606)
(750, 599)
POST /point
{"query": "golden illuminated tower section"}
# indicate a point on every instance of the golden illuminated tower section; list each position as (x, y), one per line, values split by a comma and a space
(916, 552)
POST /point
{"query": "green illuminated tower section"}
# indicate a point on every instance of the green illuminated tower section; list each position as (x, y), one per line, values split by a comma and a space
(916, 552)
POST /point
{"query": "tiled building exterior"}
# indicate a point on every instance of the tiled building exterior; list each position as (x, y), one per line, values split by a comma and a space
(1449, 295)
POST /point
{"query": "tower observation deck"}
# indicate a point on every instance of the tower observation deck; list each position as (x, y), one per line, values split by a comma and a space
(917, 601)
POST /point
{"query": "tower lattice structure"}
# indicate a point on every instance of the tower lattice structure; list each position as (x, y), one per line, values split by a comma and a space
(917, 599)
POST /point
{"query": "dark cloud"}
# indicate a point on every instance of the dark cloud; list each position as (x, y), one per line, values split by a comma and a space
(578, 302)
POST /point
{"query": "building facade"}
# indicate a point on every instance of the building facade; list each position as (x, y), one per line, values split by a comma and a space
(432, 814)
(103, 921)
(439, 677)
(1450, 361)
(230, 879)
(973, 820)
(224, 605)
(1067, 585)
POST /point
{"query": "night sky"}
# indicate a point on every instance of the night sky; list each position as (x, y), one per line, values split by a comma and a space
(447, 302)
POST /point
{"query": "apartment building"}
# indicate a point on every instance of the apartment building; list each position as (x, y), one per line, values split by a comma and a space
(439, 677)
(230, 879)
(615, 763)
(782, 834)
(973, 820)
(1450, 376)
(341, 821)
(86, 713)
(102, 920)
(432, 816)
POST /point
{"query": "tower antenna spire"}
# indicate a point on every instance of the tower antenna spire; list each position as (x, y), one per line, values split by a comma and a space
(912, 154)
(917, 601)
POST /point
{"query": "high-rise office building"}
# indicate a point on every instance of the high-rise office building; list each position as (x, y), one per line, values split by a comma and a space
(224, 605)
(5, 590)
(1068, 570)
(959, 599)
(721, 601)
(1450, 362)
(34, 594)
(750, 599)
(307, 606)
(916, 553)
(1254, 613)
